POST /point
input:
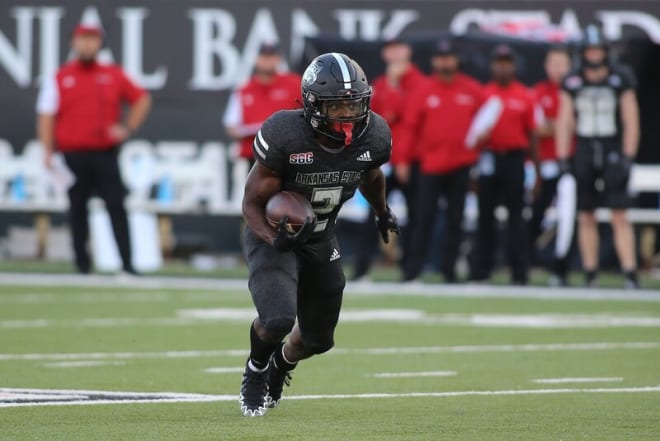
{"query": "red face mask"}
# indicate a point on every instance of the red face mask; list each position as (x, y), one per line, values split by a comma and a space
(346, 128)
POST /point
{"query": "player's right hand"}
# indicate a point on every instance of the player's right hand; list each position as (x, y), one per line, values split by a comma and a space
(618, 173)
(285, 241)
(387, 223)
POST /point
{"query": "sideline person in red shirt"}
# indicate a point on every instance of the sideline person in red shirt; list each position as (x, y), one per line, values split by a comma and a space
(438, 119)
(79, 114)
(502, 169)
(266, 92)
(391, 97)
(557, 66)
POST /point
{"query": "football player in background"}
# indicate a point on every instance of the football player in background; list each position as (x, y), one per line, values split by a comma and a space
(299, 275)
(599, 105)
(557, 65)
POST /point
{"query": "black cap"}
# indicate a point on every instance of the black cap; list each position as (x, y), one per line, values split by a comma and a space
(503, 52)
(269, 49)
(444, 47)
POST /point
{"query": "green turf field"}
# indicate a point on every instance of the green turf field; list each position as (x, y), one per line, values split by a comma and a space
(405, 367)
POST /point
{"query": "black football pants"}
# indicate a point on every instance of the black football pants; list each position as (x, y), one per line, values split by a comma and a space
(97, 172)
(539, 207)
(506, 186)
(453, 186)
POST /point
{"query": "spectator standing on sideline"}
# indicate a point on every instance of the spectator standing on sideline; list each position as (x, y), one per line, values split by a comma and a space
(557, 66)
(391, 98)
(599, 105)
(267, 91)
(438, 119)
(79, 114)
(502, 169)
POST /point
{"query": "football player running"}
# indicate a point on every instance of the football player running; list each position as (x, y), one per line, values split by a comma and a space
(299, 275)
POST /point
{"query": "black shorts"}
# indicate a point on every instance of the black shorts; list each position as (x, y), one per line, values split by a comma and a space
(600, 176)
(307, 284)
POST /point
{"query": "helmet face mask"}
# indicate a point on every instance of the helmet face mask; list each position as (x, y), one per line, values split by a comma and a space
(594, 51)
(336, 97)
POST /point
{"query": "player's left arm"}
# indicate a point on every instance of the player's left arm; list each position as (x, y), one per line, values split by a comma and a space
(630, 119)
(372, 188)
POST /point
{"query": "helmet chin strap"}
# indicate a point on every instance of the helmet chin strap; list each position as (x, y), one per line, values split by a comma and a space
(346, 128)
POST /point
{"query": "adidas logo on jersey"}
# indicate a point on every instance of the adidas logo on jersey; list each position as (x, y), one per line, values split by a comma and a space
(335, 255)
(365, 157)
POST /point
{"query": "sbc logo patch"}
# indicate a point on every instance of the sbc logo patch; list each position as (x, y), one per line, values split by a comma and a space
(301, 158)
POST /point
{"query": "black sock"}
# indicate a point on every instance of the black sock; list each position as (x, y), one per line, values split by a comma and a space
(280, 362)
(631, 275)
(260, 351)
(561, 267)
(590, 275)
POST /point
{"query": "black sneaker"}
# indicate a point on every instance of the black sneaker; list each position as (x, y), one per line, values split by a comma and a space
(276, 379)
(631, 284)
(558, 281)
(253, 392)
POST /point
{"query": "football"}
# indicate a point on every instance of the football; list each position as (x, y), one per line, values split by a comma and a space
(293, 205)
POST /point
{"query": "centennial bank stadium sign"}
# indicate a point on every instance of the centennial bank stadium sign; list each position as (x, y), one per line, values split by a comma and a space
(216, 47)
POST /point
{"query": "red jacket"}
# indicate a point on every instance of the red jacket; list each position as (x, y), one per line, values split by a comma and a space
(547, 97)
(518, 119)
(392, 103)
(86, 101)
(438, 120)
(258, 101)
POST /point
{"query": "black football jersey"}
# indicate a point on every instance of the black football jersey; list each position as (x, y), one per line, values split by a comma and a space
(596, 105)
(288, 145)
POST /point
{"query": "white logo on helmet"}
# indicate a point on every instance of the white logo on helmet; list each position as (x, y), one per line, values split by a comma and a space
(311, 73)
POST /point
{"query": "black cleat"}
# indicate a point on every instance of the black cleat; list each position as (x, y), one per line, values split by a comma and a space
(631, 284)
(276, 379)
(254, 391)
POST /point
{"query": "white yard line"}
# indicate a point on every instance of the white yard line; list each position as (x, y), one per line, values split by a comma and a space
(50, 397)
(413, 374)
(353, 289)
(205, 317)
(595, 346)
(224, 370)
(93, 297)
(578, 380)
(83, 363)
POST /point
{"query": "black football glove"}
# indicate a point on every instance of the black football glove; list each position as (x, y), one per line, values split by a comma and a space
(387, 223)
(617, 171)
(285, 241)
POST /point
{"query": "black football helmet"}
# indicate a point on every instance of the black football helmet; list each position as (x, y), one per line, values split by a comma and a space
(593, 37)
(335, 77)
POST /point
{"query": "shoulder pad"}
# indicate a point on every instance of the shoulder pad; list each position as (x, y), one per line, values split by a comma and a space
(573, 82)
